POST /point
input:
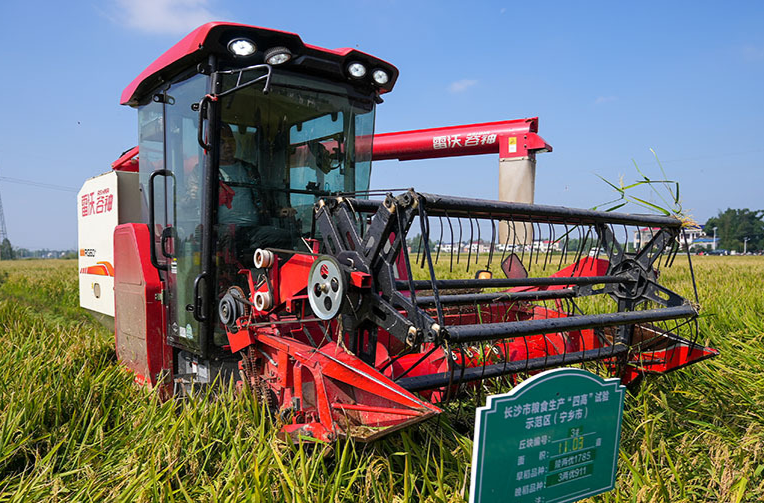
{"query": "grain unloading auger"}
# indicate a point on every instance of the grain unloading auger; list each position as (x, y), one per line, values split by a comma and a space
(245, 245)
(373, 333)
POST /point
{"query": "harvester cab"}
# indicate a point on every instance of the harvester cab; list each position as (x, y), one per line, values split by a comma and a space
(249, 247)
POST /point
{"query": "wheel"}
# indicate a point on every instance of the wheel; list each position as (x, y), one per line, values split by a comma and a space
(326, 287)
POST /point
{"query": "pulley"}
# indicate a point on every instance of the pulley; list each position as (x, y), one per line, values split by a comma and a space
(326, 287)
(232, 306)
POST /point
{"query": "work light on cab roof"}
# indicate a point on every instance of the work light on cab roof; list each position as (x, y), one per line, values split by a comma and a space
(277, 55)
(380, 77)
(227, 46)
(356, 70)
(242, 47)
(247, 245)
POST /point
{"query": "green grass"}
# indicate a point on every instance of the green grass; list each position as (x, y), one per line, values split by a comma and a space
(73, 427)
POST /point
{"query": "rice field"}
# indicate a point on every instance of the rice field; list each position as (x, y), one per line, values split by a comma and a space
(73, 427)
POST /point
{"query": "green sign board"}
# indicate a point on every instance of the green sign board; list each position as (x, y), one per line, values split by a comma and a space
(552, 439)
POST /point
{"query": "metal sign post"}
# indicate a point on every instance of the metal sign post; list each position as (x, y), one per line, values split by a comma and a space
(553, 439)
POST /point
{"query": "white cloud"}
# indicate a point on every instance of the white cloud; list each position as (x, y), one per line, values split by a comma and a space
(461, 85)
(604, 99)
(173, 17)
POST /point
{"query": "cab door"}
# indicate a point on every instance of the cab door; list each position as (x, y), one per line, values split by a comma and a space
(183, 229)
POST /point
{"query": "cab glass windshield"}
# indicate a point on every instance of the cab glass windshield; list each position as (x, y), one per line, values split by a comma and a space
(283, 150)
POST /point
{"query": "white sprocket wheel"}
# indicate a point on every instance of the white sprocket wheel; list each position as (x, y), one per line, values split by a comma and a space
(326, 287)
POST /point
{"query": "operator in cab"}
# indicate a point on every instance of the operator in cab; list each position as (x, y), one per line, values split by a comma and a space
(247, 209)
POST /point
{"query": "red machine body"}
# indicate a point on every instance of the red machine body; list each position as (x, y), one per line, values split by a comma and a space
(210, 38)
(348, 329)
(139, 321)
(513, 138)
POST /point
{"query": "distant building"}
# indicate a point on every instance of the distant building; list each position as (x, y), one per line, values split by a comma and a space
(687, 238)
(447, 247)
(703, 243)
(476, 247)
(545, 245)
(690, 235)
(643, 236)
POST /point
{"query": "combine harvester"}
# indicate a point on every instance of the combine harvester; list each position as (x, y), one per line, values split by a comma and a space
(244, 243)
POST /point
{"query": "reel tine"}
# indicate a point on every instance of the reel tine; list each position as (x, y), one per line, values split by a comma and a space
(564, 253)
(530, 251)
(451, 250)
(506, 242)
(651, 251)
(540, 240)
(470, 244)
(459, 243)
(692, 276)
(493, 241)
(598, 244)
(418, 248)
(610, 246)
(675, 249)
(440, 239)
(479, 242)
(550, 245)
(669, 260)
(522, 246)
(585, 245)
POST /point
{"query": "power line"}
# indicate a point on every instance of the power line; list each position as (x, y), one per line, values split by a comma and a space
(37, 184)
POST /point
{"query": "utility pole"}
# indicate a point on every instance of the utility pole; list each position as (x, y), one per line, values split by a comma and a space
(745, 245)
(3, 230)
(715, 237)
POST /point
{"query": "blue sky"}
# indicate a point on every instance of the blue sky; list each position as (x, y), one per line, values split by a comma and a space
(608, 80)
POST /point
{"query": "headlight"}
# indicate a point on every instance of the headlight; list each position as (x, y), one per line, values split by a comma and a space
(242, 47)
(277, 55)
(380, 77)
(356, 70)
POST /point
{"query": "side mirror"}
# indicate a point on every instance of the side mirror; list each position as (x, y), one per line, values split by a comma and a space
(513, 267)
(322, 156)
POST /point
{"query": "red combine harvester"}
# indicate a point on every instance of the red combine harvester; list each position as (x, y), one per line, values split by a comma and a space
(244, 244)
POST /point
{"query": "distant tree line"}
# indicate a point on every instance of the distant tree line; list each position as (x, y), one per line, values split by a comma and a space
(416, 244)
(735, 226)
(8, 252)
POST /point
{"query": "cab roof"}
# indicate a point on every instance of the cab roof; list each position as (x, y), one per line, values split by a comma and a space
(213, 38)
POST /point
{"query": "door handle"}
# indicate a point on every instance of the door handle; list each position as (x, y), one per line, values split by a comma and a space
(202, 106)
(199, 314)
(152, 223)
(168, 233)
